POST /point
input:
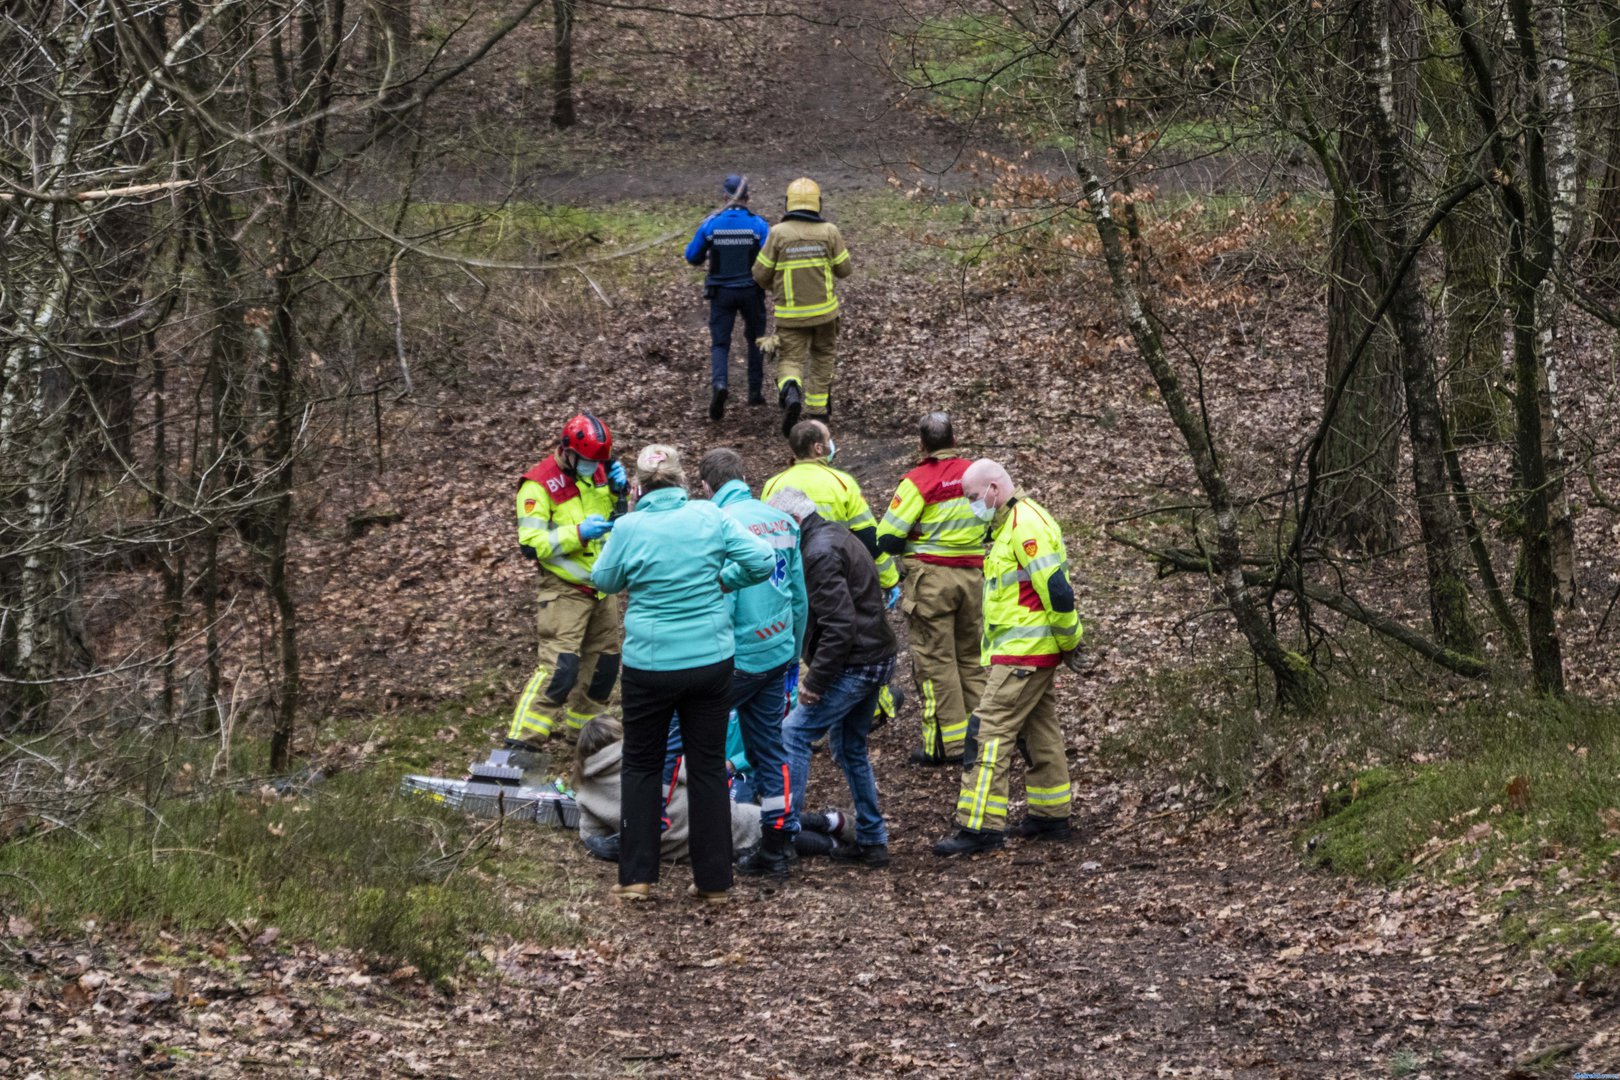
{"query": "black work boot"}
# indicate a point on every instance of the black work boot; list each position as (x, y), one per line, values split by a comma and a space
(756, 396)
(929, 758)
(969, 841)
(771, 860)
(717, 403)
(871, 856)
(1044, 828)
(792, 401)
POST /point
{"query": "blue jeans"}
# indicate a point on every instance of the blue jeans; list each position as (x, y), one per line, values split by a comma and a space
(759, 700)
(725, 304)
(845, 714)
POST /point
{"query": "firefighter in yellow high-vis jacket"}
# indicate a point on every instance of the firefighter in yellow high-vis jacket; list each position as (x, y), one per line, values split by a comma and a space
(801, 257)
(1030, 624)
(565, 506)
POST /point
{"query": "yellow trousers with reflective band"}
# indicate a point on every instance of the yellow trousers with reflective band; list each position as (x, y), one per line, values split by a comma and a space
(812, 347)
(578, 662)
(943, 607)
(1018, 706)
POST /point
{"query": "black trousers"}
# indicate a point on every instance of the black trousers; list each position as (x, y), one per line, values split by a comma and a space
(702, 697)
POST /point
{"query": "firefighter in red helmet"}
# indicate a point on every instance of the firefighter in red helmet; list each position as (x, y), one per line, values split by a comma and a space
(565, 506)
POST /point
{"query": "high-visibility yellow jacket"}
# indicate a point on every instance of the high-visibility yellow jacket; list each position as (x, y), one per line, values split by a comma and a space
(838, 498)
(801, 257)
(928, 519)
(1029, 616)
(550, 506)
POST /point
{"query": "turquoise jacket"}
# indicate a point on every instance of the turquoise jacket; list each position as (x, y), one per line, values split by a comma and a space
(673, 556)
(768, 618)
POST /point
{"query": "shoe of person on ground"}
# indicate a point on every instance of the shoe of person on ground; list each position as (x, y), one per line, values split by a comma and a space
(727, 242)
(565, 508)
(803, 255)
(969, 842)
(931, 527)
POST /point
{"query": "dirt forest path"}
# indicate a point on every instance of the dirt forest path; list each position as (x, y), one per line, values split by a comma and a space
(1156, 944)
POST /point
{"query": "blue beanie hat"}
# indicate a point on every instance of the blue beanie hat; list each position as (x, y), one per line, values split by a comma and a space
(736, 187)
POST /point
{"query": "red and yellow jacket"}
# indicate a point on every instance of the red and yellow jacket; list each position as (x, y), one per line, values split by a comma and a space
(550, 507)
(1029, 615)
(929, 520)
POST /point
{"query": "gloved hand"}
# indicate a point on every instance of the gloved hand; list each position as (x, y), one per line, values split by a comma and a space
(594, 528)
(892, 597)
(618, 480)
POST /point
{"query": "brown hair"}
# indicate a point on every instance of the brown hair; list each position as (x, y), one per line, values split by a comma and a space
(719, 467)
(804, 436)
(598, 732)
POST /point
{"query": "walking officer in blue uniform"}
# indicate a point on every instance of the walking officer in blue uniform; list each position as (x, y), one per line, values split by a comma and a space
(729, 240)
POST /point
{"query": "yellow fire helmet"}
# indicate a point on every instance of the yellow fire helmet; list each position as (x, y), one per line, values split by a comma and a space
(804, 194)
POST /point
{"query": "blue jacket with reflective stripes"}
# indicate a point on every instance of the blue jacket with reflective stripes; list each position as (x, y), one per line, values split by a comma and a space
(768, 618)
(730, 239)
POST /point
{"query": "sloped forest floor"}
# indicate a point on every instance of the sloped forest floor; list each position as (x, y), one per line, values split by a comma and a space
(1162, 941)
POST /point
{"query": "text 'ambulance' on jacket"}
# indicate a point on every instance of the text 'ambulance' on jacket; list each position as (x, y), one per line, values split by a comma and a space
(769, 618)
(550, 507)
(730, 240)
(802, 256)
(1029, 615)
(929, 518)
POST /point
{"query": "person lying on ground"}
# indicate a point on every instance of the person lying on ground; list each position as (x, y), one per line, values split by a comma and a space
(596, 784)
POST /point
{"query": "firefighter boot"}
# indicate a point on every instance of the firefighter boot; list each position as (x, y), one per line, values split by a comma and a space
(792, 401)
(968, 842)
(770, 860)
(1044, 828)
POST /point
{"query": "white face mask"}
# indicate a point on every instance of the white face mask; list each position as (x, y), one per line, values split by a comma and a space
(584, 469)
(982, 510)
(832, 448)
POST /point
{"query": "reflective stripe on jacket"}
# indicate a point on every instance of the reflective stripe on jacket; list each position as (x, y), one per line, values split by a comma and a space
(673, 557)
(550, 507)
(930, 515)
(1027, 559)
(768, 619)
(838, 498)
(802, 256)
(730, 240)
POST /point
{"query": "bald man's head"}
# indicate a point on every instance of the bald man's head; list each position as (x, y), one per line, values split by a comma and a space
(987, 481)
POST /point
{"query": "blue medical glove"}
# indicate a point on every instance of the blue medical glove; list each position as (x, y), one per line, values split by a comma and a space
(618, 481)
(892, 597)
(594, 528)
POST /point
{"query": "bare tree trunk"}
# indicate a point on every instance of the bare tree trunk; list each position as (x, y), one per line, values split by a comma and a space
(1297, 684)
(562, 71)
(1559, 98)
(1393, 115)
(1356, 501)
(1528, 212)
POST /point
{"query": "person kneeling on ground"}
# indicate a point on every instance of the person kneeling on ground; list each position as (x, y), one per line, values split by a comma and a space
(596, 784)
